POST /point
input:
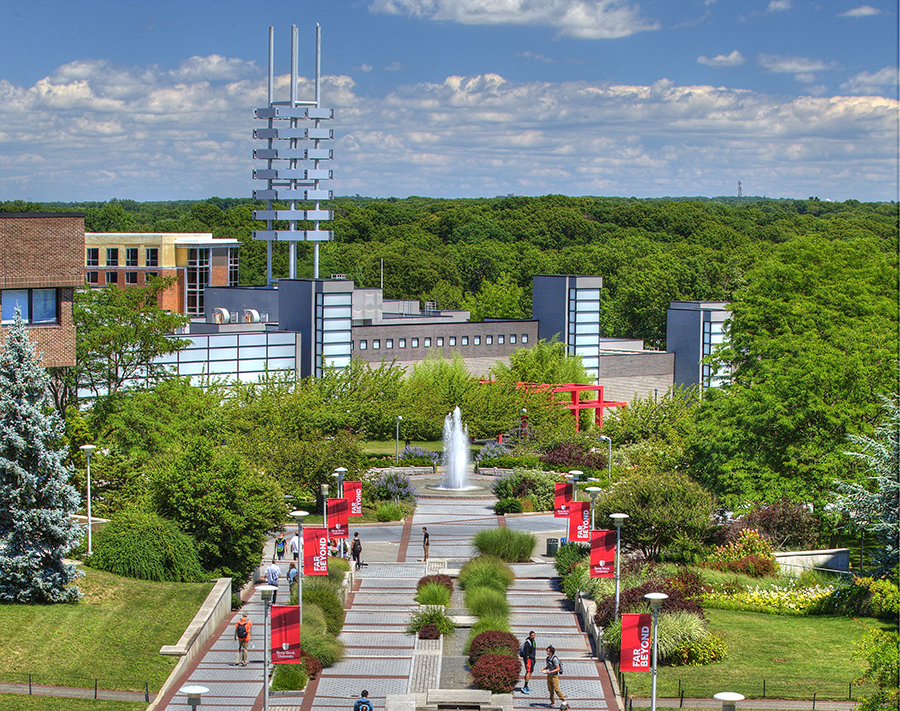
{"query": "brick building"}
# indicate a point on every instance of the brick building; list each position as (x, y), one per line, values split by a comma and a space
(196, 260)
(41, 265)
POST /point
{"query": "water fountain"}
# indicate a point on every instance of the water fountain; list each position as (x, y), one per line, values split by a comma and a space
(456, 452)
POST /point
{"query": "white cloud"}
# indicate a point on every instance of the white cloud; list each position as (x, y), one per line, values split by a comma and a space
(803, 68)
(365, 68)
(583, 19)
(464, 136)
(214, 68)
(779, 5)
(395, 66)
(861, 11)
(872, 84)
(722, 60)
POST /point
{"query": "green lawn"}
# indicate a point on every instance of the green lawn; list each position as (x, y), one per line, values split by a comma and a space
(112, 635)
(389, 446)
(796, 656)
(17, 702)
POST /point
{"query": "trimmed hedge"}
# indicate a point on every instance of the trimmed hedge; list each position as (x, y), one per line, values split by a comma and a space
(438, 578)
(505, 506)
(498, 673)
(493, 642)
(429, 632)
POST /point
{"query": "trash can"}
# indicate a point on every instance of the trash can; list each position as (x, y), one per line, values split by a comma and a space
(552, 546)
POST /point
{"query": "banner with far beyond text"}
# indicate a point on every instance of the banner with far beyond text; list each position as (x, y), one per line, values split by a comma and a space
(636, 643)
(580, 521)
(603, 554)
(561, 499)
(338, 512)
(285, 634)
(353, 494)
(315, 551)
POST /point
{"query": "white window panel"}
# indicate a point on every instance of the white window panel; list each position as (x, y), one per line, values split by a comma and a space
(282, 351)
(337, 312)
(193, 355)
(192, 368)
(255, 365)
(166, 358)
(586, 350)
(337, 349)
(276, 339)
(587, 294)
(590, 317)
(338, 324)
(335, 336)
(717, 338)
(590, 362)
(252, 339)
(282, 364)
(222, 341)
(588, 340)
(338, 362)
(338, 299)
(223, 354)
(255, 352)
(224, 366)
(199, 342)
(249, 377)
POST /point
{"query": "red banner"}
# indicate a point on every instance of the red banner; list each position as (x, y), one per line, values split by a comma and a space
(603, 554)
(580, 521)
(353, 494)
(315, 551)
(285, 634)
(636, 643)
(561, 500)
(338, 511)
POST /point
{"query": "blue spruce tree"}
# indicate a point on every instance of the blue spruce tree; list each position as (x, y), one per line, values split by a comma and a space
(35, 496)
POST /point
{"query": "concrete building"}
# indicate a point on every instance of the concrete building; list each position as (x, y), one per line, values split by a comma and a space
(41, 264)
(693, 330)
(196, 260)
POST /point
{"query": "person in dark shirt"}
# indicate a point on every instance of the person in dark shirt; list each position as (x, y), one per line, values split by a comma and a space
(425, 542)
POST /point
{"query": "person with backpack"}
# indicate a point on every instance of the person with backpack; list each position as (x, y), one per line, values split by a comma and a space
(356, 550)
(273, 572)
(553, 671)
(528, 654)
(242, 635)
(363, 703)
(280, 545)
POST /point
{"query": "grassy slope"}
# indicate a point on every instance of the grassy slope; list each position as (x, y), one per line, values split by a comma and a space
(795, 655)
(113, 634)
(16, 702)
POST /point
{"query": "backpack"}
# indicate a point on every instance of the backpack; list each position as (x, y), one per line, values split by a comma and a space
(279, 543)
(241, 630)
(522, 650)
(558, 664)
(356, 547)
(362, 704)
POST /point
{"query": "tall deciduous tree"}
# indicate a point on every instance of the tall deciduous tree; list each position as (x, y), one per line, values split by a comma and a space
(35, 496)
(120, 333)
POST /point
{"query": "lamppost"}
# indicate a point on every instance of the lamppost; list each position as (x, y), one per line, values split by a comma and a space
(324, 489)
(194, 693)
(608, 456)
(522, 414)
(573, 478)
(619, 521)
(728, 699)
(88, 450)
(339, 476)
(298, 517)
(265, 592)
(593, 491)
(397, 455)
(656, 601)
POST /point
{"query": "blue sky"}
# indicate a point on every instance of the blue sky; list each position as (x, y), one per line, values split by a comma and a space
(154, 100)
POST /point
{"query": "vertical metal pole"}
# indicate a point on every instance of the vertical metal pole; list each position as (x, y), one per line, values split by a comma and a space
(268, 644)
(655, 637)
(300, 572)
(618, 566)
(90, 523)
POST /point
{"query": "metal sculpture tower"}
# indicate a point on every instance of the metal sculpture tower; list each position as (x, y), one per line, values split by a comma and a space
(298, 146)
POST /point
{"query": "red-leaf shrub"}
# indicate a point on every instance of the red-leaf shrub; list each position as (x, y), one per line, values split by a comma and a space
(429, 632)
(444, 580)
(633, 600)
(312, 665)
(498, 673)
(756, 566)
(493, 642)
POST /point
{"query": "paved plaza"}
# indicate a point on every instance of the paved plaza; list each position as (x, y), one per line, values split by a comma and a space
(384, 660)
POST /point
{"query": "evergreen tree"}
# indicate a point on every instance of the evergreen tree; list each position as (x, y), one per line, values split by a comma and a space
(35, 496)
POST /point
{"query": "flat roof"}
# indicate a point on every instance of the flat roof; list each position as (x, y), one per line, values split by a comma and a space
(14, 215)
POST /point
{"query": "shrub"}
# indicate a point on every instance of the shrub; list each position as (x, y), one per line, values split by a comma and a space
(753, 565)
(676, 630)
(532, 483)
(792, 599)
(574, 455)
(878, 649)
(489, 623)
(393, 486)
(862, 597)
(312, 665)
(492, 450)
(484, 601)
(438, 579)
(418, 457)
(789, 525)
(289, 677)
(329, 603)
(429, 632)
(325, 648)
(485, 571)
(336, 569)
(632, 600)
(388, 511)
(569, 554)
(749, 542)
(507, 506)
(433, 594)
(578, 580)
(147, 547)
(506, 544)
(492, 642)
(498, 673)
(430, 615)
(697, 653)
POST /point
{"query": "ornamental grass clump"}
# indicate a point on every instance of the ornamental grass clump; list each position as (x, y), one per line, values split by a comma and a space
(506, 544)
(430, 615)
(498, 673)
(437, 578)
(486, 571)
(483, 602)
(683, 639)
(433, 594)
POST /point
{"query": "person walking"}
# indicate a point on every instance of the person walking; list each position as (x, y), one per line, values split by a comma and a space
(529, 655)
(242, 635)
(280, 545)
(356, 550)
(363, 703)
(295, 546)
(292, 574)
(273, 572)
(425, 542)
(553, 670)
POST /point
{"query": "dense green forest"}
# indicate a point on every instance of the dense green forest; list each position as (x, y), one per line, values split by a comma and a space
(480, 254)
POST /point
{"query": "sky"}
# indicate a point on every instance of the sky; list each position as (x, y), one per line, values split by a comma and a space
(154, 99)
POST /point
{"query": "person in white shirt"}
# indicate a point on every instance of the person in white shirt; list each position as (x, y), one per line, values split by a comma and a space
(295, 546)
(273, 572)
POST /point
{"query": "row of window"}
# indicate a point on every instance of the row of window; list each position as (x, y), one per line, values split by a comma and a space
(36, 305)
(113, 277)
(151, 257)
(439, 341)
